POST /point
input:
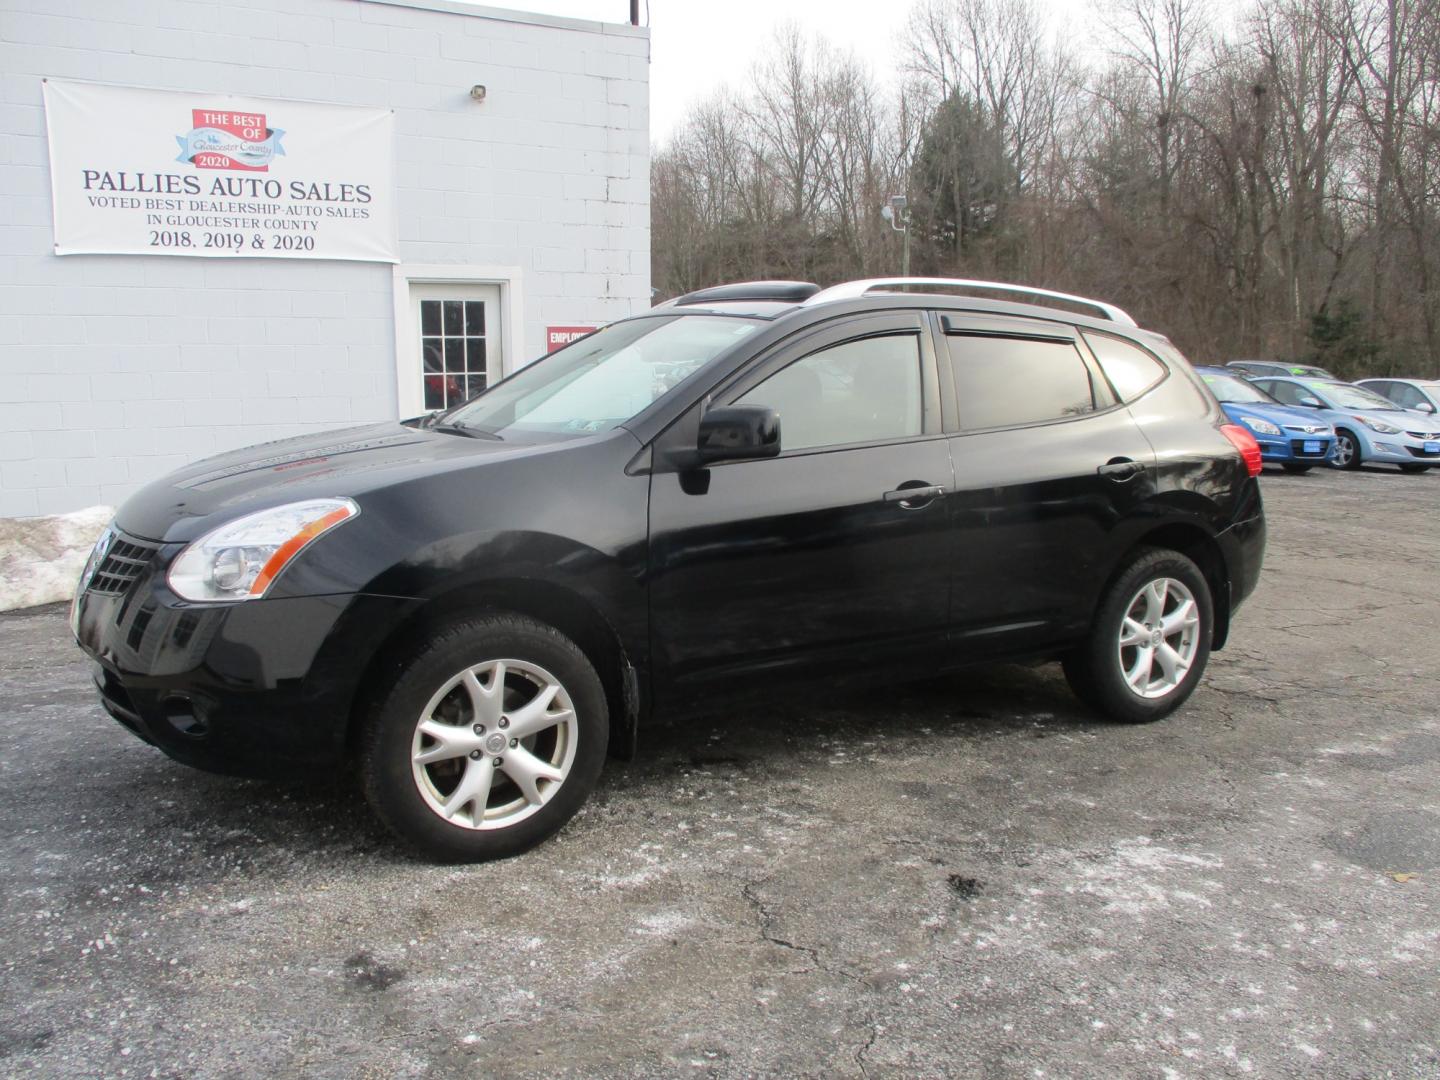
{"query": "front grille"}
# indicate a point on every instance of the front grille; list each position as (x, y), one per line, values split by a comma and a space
(124, 561)
(1428, 436)
(1419, 451)
(1297, 447)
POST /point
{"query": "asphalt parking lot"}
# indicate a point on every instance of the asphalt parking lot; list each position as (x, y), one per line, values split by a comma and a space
(966, 878)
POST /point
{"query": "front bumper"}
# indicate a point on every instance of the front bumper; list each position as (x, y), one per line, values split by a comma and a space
(263, 687)
(1403, 449)
(1296, 447)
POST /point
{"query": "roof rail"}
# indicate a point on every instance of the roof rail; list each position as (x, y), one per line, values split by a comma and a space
(786, 291)
(850, 290)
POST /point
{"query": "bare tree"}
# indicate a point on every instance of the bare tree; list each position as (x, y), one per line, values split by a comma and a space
(1271, 190)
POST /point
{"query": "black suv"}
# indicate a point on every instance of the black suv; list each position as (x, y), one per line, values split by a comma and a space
(752, 487)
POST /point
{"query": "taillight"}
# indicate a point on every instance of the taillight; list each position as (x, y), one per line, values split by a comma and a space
(1242, 440)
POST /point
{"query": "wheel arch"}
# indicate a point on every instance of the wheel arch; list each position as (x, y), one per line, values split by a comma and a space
(545, 601)
(1201, 548)
(1356, 439)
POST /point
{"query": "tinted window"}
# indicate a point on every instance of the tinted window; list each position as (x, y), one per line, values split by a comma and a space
(1284, 392)
(861, 391)
(1131, 370)
(1003, 381)
(1403, 394)
(1384, 389)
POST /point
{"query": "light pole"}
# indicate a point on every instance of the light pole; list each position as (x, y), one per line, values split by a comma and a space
(894, 211)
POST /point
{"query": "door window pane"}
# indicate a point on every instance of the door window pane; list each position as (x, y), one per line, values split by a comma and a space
(1405, 395)
(1005, 381)
(452, 351)
(1131, 370)
(433, 350)
(1283, 392)
(474, 317)
(861, 391)
(454, 317)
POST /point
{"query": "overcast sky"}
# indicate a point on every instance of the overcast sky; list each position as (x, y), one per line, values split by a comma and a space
(696, 47)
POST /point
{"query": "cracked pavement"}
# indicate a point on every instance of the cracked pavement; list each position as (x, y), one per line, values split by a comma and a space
(971, 877)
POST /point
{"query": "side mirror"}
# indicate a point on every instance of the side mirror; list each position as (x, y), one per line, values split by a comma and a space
(1425, 407)
(1311, 403)
(737, 433)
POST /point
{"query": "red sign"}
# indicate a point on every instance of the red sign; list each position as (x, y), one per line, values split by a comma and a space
(559, 336)
(221, 139)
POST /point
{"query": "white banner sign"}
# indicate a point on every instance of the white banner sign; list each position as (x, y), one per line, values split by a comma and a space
(156, 172)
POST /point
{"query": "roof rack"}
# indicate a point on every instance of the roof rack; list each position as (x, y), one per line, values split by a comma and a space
(792, 292)
(851, 290)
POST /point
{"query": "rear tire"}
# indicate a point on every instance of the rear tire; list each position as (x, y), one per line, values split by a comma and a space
(1297, 469)
(489, 737)
(1347, 450)
(1149, 640)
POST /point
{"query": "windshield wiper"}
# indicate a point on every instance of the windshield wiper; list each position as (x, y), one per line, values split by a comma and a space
(468, 432)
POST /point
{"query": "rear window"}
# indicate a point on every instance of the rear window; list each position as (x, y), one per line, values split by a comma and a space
(1130, 369)
(1003, 381)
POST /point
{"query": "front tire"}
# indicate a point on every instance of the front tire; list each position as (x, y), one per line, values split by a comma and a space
(1297, 469)
(1347, 450)
(1149, 640)
(489, 738)
(1413, 468)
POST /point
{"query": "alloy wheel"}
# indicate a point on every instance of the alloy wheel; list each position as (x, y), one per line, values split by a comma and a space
(494, 744)
(1159, 637)
(1344, 451)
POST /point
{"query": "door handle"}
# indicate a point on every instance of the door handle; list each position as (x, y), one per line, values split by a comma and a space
(1120, 469)
(913, 498)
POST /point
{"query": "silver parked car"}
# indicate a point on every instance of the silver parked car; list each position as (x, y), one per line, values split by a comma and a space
(1418, 395)
(1369, 429)
(1254, 369)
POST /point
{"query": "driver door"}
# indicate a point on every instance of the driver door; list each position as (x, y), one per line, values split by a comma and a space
(813, 563)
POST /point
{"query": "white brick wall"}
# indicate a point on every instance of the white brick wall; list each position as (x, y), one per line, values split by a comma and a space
(116, 369)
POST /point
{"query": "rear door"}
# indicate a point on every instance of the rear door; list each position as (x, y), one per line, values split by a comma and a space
(816, 562)
(1050, 468)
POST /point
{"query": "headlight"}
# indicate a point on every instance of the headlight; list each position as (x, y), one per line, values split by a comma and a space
(97, 553)
(1378, 425)
(239, 560)
(1262, 427)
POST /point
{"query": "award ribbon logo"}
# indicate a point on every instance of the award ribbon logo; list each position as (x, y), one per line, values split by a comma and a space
(220, 139)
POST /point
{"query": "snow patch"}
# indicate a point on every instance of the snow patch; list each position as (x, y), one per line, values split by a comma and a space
(41, 557)
(664, 923)
(1130, 880)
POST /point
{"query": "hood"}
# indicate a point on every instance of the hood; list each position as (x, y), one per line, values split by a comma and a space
(1281, 416)
(350, 462)
(1404, 419)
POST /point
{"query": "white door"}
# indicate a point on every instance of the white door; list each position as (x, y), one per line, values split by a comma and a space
(455, 345)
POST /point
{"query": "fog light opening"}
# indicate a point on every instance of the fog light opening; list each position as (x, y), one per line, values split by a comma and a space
(182, 715)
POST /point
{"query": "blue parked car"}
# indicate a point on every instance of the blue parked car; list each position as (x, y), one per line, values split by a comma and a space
(1369, 429)
(1294, 438)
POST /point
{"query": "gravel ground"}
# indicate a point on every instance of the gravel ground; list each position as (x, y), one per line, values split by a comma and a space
(966, 878)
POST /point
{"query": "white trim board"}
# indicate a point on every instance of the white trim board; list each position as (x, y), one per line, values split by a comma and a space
(529, 18)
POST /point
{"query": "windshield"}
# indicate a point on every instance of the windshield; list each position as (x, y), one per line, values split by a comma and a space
(1230, 388)
(1352, 397)
(602, 380)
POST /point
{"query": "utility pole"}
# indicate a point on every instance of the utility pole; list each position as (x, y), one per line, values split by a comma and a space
(894, 211)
